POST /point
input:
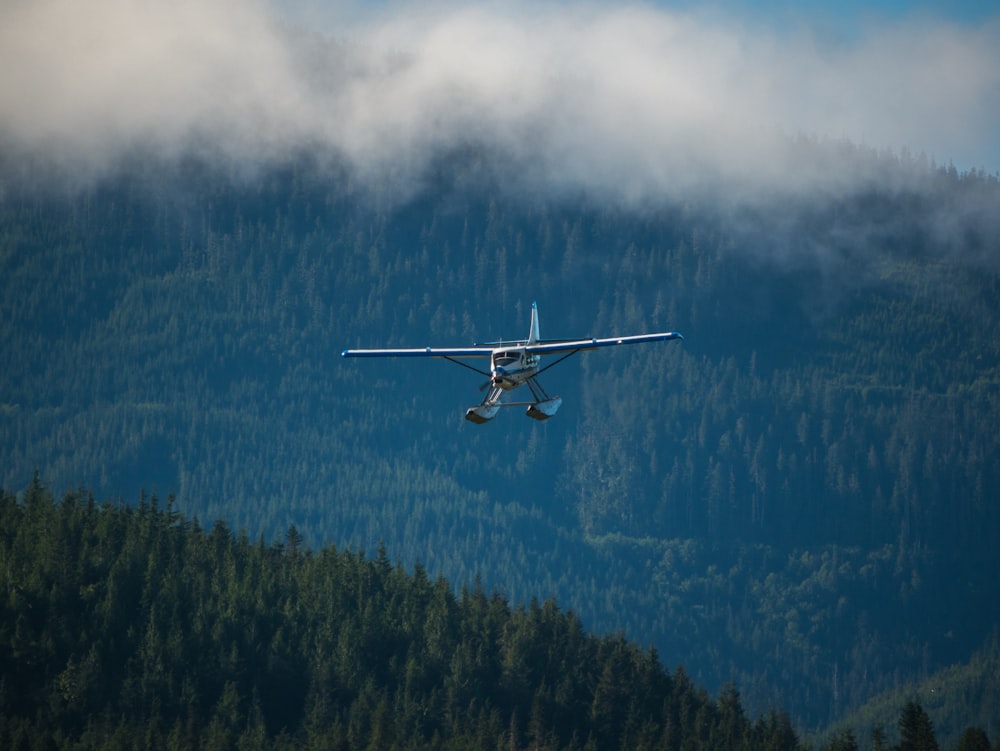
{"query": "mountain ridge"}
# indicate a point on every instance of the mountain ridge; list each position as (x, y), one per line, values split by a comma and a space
(830, 407)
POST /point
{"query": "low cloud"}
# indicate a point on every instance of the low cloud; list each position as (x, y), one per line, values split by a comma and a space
(633, 100)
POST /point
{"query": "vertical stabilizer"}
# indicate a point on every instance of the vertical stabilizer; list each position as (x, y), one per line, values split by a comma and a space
(533, 336)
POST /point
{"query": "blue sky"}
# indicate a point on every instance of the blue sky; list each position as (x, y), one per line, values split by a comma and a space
(848, 15)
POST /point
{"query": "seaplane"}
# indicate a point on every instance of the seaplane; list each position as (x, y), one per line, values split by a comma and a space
(514, 364)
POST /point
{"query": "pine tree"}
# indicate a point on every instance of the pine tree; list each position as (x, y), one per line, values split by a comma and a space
(879, 742)
(916, 731)
(842, 741)
(973, 739)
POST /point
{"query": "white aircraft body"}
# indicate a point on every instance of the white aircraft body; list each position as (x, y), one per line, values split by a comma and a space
(514, 364)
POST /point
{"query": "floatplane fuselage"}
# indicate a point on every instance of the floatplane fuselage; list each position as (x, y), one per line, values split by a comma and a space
(514, 364)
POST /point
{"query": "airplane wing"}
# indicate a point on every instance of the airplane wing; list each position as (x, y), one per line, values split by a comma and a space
(542, 348)
(574, 345)
(420, 352)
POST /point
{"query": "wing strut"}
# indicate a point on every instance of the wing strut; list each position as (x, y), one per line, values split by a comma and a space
(553, 364)
(470, 367)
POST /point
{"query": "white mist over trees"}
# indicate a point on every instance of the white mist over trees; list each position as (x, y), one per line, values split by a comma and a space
(634, 102)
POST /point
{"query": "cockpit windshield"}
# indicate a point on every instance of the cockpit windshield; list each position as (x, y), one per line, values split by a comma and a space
(506, 358)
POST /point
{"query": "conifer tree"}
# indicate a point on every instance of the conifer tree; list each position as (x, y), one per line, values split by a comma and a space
(916, 731)
(973, 739)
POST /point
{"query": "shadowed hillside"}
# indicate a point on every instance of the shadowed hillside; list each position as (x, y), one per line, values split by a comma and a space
(800, 498)
(136, 628)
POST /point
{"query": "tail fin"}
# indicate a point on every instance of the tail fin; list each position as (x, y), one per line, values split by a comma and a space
(533, 336)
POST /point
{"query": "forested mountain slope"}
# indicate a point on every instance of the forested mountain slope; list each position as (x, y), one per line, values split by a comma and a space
(955, 698)
(135, 628)
(801, 497)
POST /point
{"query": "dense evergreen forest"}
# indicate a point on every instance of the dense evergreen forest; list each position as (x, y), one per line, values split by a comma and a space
(950, 698)
(132, 627)
(800, 500)
(135, 628)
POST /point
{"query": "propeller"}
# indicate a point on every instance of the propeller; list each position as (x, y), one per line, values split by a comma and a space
(497, 374)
